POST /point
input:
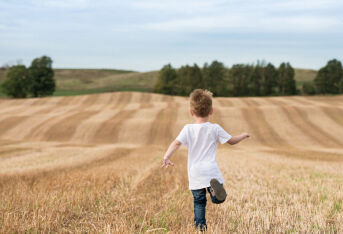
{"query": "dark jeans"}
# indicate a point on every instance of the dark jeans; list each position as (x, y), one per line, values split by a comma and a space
(200, 200)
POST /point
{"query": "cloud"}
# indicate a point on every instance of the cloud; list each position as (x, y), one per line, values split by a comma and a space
(296, 5)
(61, 3)
(178, 6)
(307, 16)
(249, 23)
(178, 31)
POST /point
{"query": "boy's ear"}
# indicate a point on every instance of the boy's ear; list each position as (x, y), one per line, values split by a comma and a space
(211, 111)
(191, 112)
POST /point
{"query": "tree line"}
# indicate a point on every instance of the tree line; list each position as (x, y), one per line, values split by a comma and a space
(260, 79)
(37, 80)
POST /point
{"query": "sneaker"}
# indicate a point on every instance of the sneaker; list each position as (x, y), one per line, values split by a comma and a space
(218, 190)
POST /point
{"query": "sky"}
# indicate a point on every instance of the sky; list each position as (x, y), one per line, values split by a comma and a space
(144, 35)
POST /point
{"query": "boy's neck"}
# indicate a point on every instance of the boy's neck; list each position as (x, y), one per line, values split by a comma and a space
(199, 120)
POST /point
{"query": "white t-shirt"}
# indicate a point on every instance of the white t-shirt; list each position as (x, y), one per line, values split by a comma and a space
(202, 141)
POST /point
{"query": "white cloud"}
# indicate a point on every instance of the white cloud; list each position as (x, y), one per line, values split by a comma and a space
(129, 30)
(296, 5)
(62, 3)
(186, 6)
(249, 23)
(243, 16)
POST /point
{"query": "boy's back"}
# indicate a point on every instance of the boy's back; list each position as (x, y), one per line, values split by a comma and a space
(202, 140)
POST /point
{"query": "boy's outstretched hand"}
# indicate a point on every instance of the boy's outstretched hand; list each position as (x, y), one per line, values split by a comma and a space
(167, 163)
(236, 139)
(171, 150)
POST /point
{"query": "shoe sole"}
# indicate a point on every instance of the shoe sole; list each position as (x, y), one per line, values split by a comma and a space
(219, 190)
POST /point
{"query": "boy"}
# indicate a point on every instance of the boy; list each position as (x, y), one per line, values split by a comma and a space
(202, 139)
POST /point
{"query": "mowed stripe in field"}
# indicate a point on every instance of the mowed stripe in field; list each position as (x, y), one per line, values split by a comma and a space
(260, 129)
(43, 122)
(104, 118)
(216, 117)
(301, 121)
(8, 123)
(286, 123)
(109, 130)
(123, 99)
(65, 128)
(224, 102)
(161, 130)
(327, 100)
(145, 100)
(69, 159)
(259, 126)
(33, 117)
(336, 114)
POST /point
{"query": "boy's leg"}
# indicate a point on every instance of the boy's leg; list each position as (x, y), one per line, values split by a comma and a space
(217, 192)
(199, 196)
(213, 198)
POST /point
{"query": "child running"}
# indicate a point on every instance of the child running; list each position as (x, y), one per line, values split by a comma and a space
(202, 138)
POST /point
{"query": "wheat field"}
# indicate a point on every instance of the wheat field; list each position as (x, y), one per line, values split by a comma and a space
(92, 164)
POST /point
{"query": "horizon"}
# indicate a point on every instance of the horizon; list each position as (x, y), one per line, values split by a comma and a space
(123, 69)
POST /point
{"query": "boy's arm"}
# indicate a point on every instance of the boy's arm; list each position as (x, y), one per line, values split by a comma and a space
(175, 145)
(236, 139)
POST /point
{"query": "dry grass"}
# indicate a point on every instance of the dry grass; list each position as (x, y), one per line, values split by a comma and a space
(92, 164)
(304, 75)
(79, 79)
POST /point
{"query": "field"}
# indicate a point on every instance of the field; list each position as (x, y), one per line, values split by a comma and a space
(71, 82)
(91, 163)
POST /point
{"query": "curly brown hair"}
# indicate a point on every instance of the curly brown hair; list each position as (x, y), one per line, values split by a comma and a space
(201, 102)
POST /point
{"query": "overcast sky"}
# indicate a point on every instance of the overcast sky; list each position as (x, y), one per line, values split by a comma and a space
(144, 35)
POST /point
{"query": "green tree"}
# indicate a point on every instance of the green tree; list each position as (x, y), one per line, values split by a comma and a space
(257, 78)
(329, 77)
(309, 88)
(286, 79)
(15, 84)
(167, 80)
(264, 78)
(269, 79)
(41, 77)
(190, 78)
(214, 78)
(341, 86)
(239, 78)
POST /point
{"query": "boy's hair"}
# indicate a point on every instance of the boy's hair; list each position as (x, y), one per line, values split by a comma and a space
(201, 102)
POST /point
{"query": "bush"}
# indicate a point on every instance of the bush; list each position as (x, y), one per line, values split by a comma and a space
(15, 84)
(239, 78)
(213, 77)
(167, 80)
(286, 79)
(37, 80)
(328, 79)
(309, 88)
(41, 77)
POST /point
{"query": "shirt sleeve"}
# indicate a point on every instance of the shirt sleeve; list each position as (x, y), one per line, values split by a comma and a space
(223, 136)
(182, 137)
